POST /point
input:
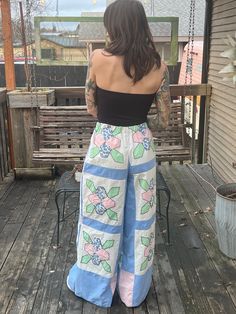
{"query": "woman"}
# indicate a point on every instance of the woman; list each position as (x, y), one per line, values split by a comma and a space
(116, 230)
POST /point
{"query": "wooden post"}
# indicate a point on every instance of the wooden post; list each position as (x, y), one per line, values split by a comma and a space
(8, 46)
(9, 64)
(193, 142)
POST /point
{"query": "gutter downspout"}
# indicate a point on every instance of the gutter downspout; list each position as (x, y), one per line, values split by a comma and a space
(205, 69)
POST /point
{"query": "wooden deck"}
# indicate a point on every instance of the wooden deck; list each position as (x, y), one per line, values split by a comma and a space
(190, 276)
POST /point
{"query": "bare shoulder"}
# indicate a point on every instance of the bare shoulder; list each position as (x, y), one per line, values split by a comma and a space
(163, 68)
(99, 55)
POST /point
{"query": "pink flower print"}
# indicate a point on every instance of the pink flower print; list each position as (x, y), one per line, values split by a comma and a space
(143, 137)
(148, 197)
(148, 252)
(108, 203)
(103, 255)
(89, 248)
(94, 199)
(113, 142)
(106, 142)
(138, 137)
(99, 140)
(101, 201)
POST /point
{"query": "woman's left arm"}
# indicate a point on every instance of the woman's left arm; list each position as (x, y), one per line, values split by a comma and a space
(163, 100)
(90, 89)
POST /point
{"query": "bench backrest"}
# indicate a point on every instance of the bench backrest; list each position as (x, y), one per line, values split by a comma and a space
(65, 127)
(71, 127)
(174, 133)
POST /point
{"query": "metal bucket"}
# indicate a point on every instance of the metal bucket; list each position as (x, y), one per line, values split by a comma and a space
(225, 217)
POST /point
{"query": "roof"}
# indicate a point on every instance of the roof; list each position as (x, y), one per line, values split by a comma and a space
(65, 41)
(91, 30)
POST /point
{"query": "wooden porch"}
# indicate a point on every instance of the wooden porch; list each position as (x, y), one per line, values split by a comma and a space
(190, 276)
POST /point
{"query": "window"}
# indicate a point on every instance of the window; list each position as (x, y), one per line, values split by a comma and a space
(48, 54)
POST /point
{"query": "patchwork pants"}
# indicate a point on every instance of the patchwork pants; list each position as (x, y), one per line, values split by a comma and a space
(116, 228)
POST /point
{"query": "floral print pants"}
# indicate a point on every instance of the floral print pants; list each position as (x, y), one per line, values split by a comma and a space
(116, 228)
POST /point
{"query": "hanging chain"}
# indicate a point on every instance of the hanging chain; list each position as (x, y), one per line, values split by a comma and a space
(189, 57)
(32, 70)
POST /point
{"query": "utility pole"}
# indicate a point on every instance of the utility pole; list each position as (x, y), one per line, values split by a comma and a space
(8, 46)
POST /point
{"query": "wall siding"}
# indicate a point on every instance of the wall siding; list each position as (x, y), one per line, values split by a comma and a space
(222, 123)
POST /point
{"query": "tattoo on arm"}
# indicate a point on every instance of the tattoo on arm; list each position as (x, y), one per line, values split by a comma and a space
(163, 100)
(90, 91)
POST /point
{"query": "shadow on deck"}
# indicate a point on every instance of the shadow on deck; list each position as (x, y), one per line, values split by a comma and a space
(190, 276)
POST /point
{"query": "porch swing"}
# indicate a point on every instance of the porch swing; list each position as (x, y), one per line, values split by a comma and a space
(173, 143)
(64, 132)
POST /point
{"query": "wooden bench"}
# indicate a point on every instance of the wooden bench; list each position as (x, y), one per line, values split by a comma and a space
(173, 143)
(64, 134)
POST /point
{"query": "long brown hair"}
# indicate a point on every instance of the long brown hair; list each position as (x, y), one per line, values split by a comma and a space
(130, 36)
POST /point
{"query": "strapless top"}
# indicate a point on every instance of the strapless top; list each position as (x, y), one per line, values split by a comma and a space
(122, 109)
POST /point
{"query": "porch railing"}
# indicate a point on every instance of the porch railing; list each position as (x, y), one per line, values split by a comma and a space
(188, 97)
(186, 100)
(4, 138)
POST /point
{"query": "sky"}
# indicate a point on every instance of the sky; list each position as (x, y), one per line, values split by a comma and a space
(70, 8)
(74, 7)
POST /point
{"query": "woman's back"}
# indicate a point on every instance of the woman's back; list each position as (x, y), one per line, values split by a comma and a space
(110, 75)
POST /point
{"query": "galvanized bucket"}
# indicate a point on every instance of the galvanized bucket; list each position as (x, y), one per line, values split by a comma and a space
(225, 217)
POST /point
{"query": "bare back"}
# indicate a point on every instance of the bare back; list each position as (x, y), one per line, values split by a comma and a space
(110, 75)
(107, 72)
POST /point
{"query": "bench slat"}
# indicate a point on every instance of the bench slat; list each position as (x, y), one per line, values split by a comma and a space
(65, 134)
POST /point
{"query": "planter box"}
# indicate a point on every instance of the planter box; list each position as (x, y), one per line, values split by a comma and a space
(23, 107)
(24, 99)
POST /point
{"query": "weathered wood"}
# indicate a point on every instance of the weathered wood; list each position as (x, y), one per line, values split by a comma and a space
(57, 120)
(180, 254)
(192, 271)
(167, 293)
(69, 303)
(15, 260)
(21, 99)
(45, 173)
(193, 90)
(24, 296)
(218, 273)
(4, 137)
(151, 300)
(49, 289)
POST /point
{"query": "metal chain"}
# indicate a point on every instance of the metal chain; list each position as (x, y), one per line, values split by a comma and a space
(189, 60)
(32, 70)
(30, 36)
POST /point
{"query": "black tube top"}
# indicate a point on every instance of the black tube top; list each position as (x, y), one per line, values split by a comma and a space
(122, 109)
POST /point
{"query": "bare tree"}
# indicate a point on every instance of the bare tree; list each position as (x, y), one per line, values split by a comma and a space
(31, 8)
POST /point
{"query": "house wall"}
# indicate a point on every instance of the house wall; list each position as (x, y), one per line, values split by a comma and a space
(222, 122)
(74, 54)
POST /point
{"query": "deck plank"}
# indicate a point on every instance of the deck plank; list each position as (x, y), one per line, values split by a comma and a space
(212, 282)
(17, 255)
(190, 276)
(169, 300)
(49, 290)
(70, 304)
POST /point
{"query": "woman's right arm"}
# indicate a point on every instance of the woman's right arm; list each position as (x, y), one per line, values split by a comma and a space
(90, 88)
(163, 100)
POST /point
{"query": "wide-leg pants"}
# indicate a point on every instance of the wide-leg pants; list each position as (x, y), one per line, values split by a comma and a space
(116, 228)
